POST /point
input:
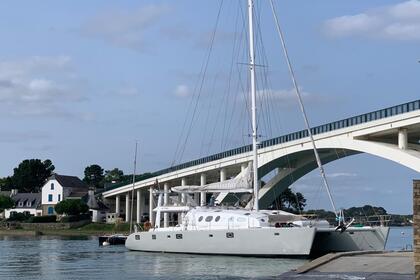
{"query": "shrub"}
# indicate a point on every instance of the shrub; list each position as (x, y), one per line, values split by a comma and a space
(71, 207)
(19, 217)
(43, 219)
(75, 218)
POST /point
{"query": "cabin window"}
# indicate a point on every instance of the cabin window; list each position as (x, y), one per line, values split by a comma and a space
(247, 214)
(209, 218)
(217, 219)
(137, 237)
(200, 219)
(154, 236)
(276, 233)
(262, 220)
(168, 236)
(178, 236)
(210, 235)
(52, 186)
(230, 235)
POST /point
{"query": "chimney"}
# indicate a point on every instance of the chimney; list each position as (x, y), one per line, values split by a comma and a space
(13, 192)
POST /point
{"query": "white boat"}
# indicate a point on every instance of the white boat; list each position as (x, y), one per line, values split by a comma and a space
(251, 232)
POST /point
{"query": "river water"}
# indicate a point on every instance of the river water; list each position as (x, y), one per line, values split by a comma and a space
(49, 257)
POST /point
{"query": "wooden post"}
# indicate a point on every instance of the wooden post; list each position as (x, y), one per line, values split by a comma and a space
(416, 227)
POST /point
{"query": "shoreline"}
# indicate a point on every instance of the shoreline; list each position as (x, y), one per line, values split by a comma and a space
(71, 232)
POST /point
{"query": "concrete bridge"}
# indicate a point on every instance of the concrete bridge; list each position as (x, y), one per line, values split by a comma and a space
(392, 133)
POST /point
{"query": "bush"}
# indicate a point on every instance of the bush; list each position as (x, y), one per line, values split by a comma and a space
(43, 219)
(75, 218)
(71, 207)
(19, 217)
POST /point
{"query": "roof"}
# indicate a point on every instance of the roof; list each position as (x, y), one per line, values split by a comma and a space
(93, 202)
(77, 186)
(22, 199)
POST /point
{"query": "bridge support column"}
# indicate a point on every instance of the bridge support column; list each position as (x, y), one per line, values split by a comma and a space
(165, 202)
(151, 204)
(138, 206)
(117, 205)
(244, 166)
(183, 200)
(222, 174)
(127, 207)
(402, 138)
(203, 179)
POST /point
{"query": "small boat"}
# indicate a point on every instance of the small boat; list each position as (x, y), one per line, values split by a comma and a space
(115, 239)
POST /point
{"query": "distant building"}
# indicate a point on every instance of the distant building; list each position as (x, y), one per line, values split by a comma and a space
(29, 203)
(60, 187)
(97, 209)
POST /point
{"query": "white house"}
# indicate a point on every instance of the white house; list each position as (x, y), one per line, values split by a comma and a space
(60, 187)
(29, 203)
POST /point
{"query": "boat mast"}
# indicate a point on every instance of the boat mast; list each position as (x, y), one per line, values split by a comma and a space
(132, 191)
(253, 101)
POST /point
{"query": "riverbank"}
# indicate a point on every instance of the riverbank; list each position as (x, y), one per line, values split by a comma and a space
(86, 230)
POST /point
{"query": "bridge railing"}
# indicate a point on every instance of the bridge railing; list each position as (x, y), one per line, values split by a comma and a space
(364, 118)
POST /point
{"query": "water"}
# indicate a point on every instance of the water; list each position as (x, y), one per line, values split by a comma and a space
(49, 257)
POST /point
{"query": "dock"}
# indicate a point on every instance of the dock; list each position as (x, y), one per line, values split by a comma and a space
(367, 265)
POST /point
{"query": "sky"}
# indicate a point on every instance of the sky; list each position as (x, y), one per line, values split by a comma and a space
(81, 81)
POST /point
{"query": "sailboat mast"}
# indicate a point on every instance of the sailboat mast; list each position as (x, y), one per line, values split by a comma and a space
(132, 191)
(253, 100)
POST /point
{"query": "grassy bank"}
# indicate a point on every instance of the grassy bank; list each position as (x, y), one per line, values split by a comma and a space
(93, 229)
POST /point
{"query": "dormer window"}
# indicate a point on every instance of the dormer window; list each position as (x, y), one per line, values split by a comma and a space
(28, 204)
(20, 203)
(52, 186)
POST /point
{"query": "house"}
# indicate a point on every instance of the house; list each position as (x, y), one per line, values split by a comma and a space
(97, 209)
(29, 203)
(60, 187)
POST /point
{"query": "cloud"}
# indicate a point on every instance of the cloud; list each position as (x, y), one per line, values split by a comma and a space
(341, 174)
(125, 28)
(394, 22)
(182, 91)
(19, 137)
(38, 86)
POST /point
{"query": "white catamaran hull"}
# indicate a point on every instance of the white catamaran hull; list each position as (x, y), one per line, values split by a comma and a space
(245, 242)
(353, 239)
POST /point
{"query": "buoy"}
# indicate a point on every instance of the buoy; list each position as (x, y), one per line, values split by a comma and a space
(105, 243)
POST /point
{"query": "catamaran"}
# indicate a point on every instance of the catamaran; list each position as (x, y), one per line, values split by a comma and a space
(251, 231)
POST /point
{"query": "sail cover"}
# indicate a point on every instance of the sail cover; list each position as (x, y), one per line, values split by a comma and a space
(241, 183)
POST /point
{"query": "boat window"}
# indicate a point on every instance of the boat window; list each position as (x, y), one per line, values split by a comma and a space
(209, 218)
(168, 236)
(178, 236)
(153, 236)
(247, 214)
(276, 233)
(217, 219)
(200, 219)
(262, 220)
(137, 237)
(210, 235)
(230, 235)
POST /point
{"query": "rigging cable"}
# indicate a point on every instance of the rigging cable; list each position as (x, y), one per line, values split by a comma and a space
(297, 91)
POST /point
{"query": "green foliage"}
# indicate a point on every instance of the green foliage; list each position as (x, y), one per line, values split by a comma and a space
(94, 176)
(71, 207)
(31, 174)
(75, 218)
(43, 219)
(6, 183)
(114, 176)
(19, 217)
(6, 202)
(290, 201)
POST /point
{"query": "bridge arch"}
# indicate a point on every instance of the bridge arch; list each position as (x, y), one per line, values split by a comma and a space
(299, 161)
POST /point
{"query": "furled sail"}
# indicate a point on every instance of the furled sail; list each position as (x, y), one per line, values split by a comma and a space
(241, 183)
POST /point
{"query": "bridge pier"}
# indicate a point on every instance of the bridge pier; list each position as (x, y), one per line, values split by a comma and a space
(139, 206)
(165, 202)
(183, 201)
(127, 207)
(151, 214)
(402, 139)
(117, 205)
(203, 179)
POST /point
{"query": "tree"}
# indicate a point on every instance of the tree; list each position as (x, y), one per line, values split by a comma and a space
(31, 174)
(94, 176)
(290, 201)
(114, 176)
(6, 183)
(71, 207)
(6, 202)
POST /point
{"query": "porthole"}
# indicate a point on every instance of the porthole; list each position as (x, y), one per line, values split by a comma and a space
(217, 219)
(137, 237)
(209, 218)
(178, 236)
(230, 235)
(210, 235)
(168, 236)
(200, 219)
